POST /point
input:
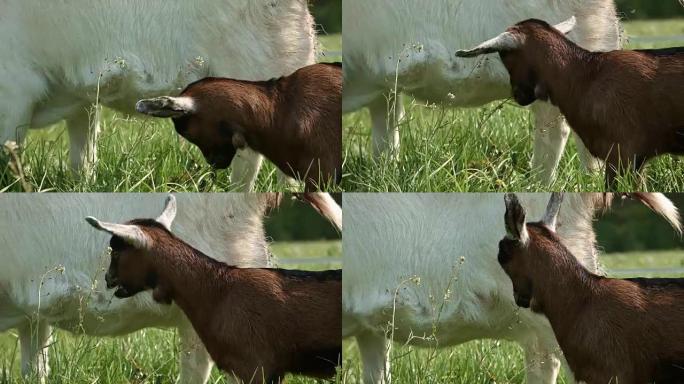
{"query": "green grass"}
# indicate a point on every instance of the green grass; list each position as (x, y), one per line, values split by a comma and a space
(135, 155)
(644, 260)
(485, 361)
(484, 149)
(147, 356)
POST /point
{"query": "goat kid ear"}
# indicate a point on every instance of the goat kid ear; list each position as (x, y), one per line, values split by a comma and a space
(131, 234)
(169, 213)
(166, 106)
(506, 41)
(567, 26)
(550, 218)
(514, 219)
(239, 140)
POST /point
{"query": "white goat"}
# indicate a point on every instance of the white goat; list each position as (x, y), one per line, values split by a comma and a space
(450, 243)
(51, 259)
(413, 42)
(61, 57)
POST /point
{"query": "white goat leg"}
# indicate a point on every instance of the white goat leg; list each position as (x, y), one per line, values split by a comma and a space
(15, 116)
(542, 364)
(245, 168)
(550, 136)
(195, 362)
(386, 115)
(84, 129)
(34, 339)
(375, 357)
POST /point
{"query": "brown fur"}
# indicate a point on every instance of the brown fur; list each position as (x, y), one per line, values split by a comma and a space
(295, 121)
(256, 323)
(610, 330)
(626, 106)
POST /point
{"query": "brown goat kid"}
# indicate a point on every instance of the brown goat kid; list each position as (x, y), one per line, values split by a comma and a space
(257, 324)
(626, 106)
(627, 331)
(294, 121)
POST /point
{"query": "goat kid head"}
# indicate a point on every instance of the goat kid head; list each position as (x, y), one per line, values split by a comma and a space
(218, 140)
(523, 245)
(131, 269)
(517, 56)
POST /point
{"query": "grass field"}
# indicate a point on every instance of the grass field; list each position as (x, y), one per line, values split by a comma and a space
(486, 361)
(147, 356)
(135, 154)
(485, 149)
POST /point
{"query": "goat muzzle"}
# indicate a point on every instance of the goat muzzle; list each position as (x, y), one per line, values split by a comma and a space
(522, 301)
(112, 282)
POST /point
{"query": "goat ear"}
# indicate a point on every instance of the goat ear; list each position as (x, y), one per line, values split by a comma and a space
(506, 41)
(567, 26)
(515, 219)
(166, 106)
(239, 140)
(550, 218)
(131, 234)
(169, 213)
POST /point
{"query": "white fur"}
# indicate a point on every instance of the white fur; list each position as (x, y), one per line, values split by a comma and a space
(132, 234)
(415, 42)
(169, 212)
(186, 103)
(54, 263)
(404, 253)
(60, 55)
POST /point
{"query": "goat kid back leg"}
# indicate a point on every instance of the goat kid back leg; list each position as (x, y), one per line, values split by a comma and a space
(550, 136)
(375, 358)
(541, 361)
(386, 112)
(34, 339)
(245, 168)
(195, 362)
(84, 128)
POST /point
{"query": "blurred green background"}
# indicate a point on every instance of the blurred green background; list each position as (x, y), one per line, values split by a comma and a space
(650, 9)
(328, 15)
(297, 221)
(630, 226)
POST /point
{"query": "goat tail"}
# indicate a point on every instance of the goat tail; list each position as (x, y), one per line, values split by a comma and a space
(661, 205)
(325, 205)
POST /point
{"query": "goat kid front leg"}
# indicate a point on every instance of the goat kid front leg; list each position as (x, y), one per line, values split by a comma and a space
(386, 112)
(245, 168)
(375, 357)
(589, 162)
(195, 362)
(550, 136)
(34, 339)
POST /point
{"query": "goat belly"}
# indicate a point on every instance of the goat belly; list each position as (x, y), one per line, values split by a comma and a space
(669, 373)
(320, 363)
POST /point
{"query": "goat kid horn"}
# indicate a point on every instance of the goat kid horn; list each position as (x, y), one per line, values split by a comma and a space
(550, 218)
(567, 26)
(166, 106)
(169, 213)
(504, 42)
(131, 234)
(514, 219)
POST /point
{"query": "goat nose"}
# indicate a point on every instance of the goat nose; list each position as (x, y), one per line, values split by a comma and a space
(140, 107)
